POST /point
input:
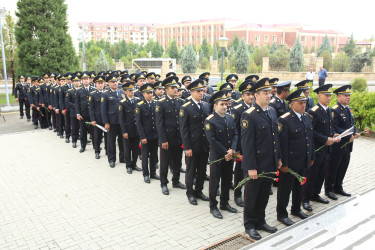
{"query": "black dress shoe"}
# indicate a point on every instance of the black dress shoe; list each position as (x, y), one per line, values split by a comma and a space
(228, 208)
(67, 140)
(216, 213)
(155, 176)
(82, 150)
(343, 193)
(253, 234)
(54, 130)
(74, 144)
(202, 197)
(157, 166)
(320, 199)
(28, 119)
(146, 179)
(271, 192)
(61, 137)
(300, 214)
(50, 127)
(192, 200)
(112, 164)
(137, 168)
(306, 205)
(218, 193)
(164, 189)
(331, 195)
(179, 185)
(182, 170)
(207, 178)
(21, 117)
(129, 170)
(58, 133)
(267, 228)
(286, 221)
(88, 141)
(35, 126)
(232, 186)
(97, 155)
(238, 201)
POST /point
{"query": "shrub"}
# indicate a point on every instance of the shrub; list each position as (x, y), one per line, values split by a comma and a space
(359, 84)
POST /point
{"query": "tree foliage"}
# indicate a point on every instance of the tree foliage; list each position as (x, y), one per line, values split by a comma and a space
(205, 48)
(341, 62)
(349, 47)
(101, 63)
(215, 55)
(189, 60)
(235, 43)
(324, 46)
(242, 58)
(296, 57)
(259, 53)
(172, 50)
(327, 59)
(273, 48)
(279, 60)
(358, 61)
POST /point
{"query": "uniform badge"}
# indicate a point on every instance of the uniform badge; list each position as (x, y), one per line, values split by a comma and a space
(157, 108)
(280, 127)
(207, 126)
(181, 113)
(89, 98)
(67, 94)
(233, 116)
(244, 124)
(333, 114)
(136, 110)
(102, 100)
(119, 107)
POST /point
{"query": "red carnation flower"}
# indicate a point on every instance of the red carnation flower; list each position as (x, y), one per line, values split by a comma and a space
(277, 173)
(182, 146)
(140, 146)
(277, 179)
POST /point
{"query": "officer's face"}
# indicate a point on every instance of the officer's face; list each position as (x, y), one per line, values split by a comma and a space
(129, 93)
(179, 92)
(343, 99)
(171, 91)
(113, 85)
(140, 82)
(51, 79)
(28, 81)
(263, 97)
(221, 107)
(197, 95)
(307, 92)
(99, 85)
(248, 98)
(86, 81)
(148, 95)
(324, 99)
(273, 90)
(151, 80)
(22, 79)
(186, 83)
(234, 83)
(159, 91)
(298, 106)
(76, 83)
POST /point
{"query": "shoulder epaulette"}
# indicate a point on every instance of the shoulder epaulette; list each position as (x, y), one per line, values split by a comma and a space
(285, 115)
(70, 89)
(315, 108)
(123, 100)
(105, 90)
(186, 104)
(141, 102)
(93, 91)
(250, 110)
(210, 116)
(189, 97)
(238, 100)
(137, 98)
(335, 106)
(273, 100)
(162, 99)
(238, 106)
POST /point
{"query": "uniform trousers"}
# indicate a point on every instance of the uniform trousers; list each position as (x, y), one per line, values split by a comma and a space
(338, 164)
(149, 151)
(220, 171)
(196, 166)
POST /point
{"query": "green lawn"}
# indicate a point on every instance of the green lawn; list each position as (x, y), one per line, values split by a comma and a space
(3, 100)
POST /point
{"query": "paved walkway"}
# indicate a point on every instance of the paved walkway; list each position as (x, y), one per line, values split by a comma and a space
(53, 197)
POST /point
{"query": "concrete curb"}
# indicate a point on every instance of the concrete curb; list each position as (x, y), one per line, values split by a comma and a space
(7, 109)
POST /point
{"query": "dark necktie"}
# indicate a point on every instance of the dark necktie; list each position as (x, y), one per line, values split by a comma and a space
(302, 121)
(225, 120)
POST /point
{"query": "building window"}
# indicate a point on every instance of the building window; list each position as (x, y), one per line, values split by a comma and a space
(313, 39)
(302, 38)
(281, 41)
(274, 39)
(98, 33)
(97, 27)
(221, 28)
(257, 38)
(333, 39)
(126, 33)
(266, 39)
(119, 28)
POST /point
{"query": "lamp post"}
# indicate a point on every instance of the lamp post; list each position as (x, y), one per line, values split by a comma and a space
(2, 12)
(83, 47)
(223, 42)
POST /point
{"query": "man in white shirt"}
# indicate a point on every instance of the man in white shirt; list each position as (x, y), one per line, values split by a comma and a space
(310, 75)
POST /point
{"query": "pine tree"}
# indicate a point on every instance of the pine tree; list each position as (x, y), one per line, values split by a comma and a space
(44, 44)
(231, 52)
(201, 56)
(235, 43)
(173, 50)
(324, 46)
(349, 47)
(251, 48)
(206, 49)
(296, 57)
(101, 63)
(156, 52)
(358, 61)
(189, 62)
(273, 48)
(215, 55)
(242, 59)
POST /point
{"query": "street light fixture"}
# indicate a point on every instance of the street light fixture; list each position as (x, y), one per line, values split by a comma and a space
(84, 28)
(223, 42)
(2, 12)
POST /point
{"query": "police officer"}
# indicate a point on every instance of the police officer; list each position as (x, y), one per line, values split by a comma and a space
(51, 104)
(167, 111)
(41, 104)
(260, 147)
(82, 109)
(278, 101)
(96, 114)
(124, 79)
(64, 108)
(324, 134)
(273, 83)
(232, 79)
(110, 115)
(27, 86)
(139, 81)
(297, 154)
(222, 136)
(44, 86)
(192, 116)
(186, 80)
(70, 104)
(206, 77)
(228, 87)
(157, 78)
(304, 85)
(247, 99)
(158, 90)
(129, 128)
(340, 156)
(33, 101)
(21, 96)
(57, 95)
(150, 78)
(146, 126)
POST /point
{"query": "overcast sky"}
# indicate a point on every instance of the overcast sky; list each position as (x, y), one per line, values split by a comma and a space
(346, 16)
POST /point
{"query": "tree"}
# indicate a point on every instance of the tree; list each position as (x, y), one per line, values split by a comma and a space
(273, 48)
(172, 49)
(324, 46)
(205, 48)
(215, 55)
(157, 50)
(44, 44)
(235, 43)
(101, 63)
(279, 60)
(201, 56)
(349, 47)
(259, 53)
(91, 56)
(242, 59)
(341, 62)
(296, 57)
(232, 52)
(305, 50)
(189, 62)
(312, 50)
(327, 59)
(10, 49)
(357, 62)
(251, 48)
(149, 45)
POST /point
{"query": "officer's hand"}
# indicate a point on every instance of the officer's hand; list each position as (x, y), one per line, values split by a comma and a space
(93, 123)
(164, 145)
(43, 105)
(279, 164)
(54, 108)
(50, 107)
(284, 169)
(357, 135)
(106, 126)
(63, 112)
(144, 141)
(311, 163)
(253, 174)
(57, 112)
(32, 105)
(126, 136)
(335, 140)
(351, 139)
(189, 153)
(79, 117)
(16, 99)
(38, 108)
(329, 141)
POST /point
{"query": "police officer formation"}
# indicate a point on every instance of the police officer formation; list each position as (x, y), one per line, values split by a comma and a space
(159, 120)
